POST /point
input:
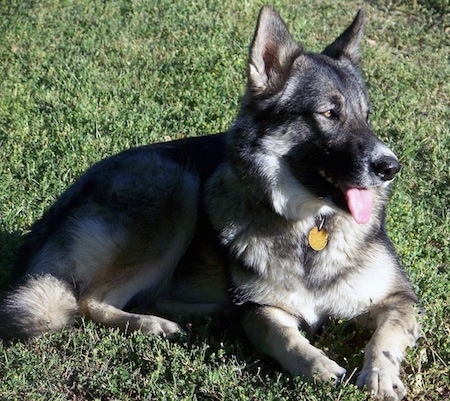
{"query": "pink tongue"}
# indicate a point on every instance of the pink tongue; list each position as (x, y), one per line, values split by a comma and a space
(359, 202)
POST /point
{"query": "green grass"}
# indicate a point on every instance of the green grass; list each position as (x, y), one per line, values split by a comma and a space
(82, 80)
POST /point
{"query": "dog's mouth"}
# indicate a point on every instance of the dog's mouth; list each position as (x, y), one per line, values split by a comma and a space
(355, 200)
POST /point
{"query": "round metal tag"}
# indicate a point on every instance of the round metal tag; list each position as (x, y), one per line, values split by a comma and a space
(318, 239)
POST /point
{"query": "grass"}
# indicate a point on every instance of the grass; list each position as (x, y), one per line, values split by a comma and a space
(83, 80)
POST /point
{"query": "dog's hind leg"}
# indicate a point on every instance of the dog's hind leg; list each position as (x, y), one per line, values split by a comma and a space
(111, 316)
(108, 293)
(114, 286)
(136, 250)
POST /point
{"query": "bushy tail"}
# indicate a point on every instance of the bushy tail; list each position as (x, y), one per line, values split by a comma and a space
(42, 304)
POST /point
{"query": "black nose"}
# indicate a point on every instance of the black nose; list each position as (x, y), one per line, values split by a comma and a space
(386, 167)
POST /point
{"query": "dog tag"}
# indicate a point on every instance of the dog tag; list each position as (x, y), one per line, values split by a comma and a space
(318, 239)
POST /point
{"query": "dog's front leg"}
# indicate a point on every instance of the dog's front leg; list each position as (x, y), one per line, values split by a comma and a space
(396, 328)
(276, 333)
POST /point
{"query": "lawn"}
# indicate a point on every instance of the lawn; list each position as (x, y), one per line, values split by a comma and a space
(83, 80)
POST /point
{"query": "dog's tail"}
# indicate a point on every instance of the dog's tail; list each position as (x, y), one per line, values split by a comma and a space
(43, 303)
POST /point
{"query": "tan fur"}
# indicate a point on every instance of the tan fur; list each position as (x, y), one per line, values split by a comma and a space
(44, 303)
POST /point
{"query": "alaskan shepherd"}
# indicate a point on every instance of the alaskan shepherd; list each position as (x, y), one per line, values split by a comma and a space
(282, 218)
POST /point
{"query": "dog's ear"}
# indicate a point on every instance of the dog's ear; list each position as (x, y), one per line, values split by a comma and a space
(347, 45)
(271, 54)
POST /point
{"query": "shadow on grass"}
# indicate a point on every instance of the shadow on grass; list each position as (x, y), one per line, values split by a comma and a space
(438, 7)
(9, 245)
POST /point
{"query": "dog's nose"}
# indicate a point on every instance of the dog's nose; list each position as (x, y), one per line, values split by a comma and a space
(386, 167)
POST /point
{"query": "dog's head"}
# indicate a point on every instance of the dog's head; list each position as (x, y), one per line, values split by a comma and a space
(305, 120)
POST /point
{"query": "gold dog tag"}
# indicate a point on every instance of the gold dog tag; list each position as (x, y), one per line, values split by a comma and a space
(318, 239)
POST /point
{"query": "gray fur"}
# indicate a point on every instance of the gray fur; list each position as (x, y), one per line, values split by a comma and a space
(203, 224)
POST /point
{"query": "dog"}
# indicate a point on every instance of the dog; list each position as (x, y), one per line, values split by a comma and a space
(280, 219)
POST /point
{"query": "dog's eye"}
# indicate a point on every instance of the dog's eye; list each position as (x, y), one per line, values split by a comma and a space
(330, 114)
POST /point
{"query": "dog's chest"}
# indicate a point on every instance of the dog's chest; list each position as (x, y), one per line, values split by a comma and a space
(289, 253)
(285, 271)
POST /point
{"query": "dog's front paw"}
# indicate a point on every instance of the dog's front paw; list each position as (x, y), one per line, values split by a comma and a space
(325, 369)
(382, 384)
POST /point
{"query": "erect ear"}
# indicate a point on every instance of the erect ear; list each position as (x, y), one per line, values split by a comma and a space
(271, 54)
(347, 45)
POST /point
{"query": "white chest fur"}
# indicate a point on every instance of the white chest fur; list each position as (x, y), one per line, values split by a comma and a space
(342, 280)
